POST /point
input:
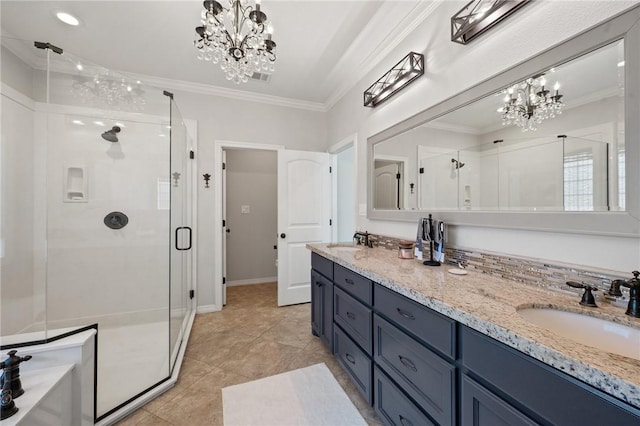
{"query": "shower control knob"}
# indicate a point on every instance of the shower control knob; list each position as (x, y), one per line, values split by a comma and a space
(116, 220)
(283, 235)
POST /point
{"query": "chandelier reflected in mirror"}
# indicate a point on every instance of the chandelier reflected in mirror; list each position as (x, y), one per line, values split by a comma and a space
(109, 91)
(528, 103)
(237, 37)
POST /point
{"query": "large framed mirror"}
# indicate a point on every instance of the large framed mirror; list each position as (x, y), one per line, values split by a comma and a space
(549, 144)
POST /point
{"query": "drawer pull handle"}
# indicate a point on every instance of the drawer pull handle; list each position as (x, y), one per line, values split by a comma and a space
(407, 363)
(350, 358)
(407, 315)
(404, 421)
(351, 316)
(349, 281)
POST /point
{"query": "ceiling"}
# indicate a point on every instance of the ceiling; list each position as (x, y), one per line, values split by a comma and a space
(324, 47)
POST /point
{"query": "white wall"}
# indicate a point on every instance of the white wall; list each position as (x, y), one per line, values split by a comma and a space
(251, 181)
(225, 119)
(451, 68)
(93, 270)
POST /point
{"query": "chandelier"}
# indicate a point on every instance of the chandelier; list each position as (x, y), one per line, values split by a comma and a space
(237, 38)
(528, 103)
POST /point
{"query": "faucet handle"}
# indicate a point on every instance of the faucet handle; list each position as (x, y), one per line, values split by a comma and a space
(633, 283)
(587, 296)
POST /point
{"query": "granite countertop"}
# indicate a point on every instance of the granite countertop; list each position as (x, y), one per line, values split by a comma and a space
(490, 304)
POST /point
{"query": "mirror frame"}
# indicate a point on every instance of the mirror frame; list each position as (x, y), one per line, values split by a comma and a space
(627, 224)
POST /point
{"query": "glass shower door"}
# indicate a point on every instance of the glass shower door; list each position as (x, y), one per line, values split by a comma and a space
(181, 235)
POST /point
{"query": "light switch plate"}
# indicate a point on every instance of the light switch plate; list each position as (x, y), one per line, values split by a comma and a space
(363, 209)
(245, 209)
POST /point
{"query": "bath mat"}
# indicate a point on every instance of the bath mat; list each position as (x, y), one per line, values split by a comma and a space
(308, 396)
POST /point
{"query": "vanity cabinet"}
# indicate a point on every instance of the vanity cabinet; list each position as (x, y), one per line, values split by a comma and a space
(417, 366)
(322, 299)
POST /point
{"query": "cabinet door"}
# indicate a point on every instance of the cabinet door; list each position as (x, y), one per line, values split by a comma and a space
(479, 407)
(322, 308)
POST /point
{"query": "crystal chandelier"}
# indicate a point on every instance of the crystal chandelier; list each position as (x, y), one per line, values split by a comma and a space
(528, 103)
(237, 37)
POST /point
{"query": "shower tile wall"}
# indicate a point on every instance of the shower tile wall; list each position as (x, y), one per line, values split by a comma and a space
(94, 271)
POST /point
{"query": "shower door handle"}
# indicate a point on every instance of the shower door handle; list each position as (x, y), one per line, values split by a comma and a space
(176, 239)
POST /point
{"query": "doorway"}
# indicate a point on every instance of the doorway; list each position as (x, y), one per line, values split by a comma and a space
(250, 216)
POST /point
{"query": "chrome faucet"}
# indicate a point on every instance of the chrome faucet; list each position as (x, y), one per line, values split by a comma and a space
(633, 309)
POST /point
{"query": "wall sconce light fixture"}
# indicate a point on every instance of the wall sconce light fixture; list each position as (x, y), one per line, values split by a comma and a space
(206, 177)
(479, 16)
(403, 73)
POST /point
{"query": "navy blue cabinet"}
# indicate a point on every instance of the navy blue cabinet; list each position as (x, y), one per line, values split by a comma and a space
(354, 317)
(322, 299)
(419, 367)
(426, 377)
(393, 406)
(545, 394)
(480, 407)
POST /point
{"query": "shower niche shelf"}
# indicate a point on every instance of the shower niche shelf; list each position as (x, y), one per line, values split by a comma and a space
(75, 184)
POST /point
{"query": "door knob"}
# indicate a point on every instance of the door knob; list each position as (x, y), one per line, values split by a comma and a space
(283, 235)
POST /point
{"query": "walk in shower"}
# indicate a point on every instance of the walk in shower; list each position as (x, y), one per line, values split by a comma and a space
(96, 209)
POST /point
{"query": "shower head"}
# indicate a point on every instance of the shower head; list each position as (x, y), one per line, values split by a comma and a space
(458, 164)
(110, 135)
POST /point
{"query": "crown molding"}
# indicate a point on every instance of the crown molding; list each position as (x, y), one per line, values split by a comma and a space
(416, 16)
(207, 89)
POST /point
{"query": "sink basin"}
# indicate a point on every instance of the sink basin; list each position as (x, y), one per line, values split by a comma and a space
(344, 247)
(587, 330)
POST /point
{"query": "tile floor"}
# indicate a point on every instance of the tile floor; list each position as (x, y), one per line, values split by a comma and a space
(250, 339)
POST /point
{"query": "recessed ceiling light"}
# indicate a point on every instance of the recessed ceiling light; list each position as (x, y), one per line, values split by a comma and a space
(68, 19)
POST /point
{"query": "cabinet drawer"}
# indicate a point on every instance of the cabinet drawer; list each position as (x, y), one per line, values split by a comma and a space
(354, 317)
(357, 285)
(425, 324)
(423, 375)
(549, 396)
(354, 361)
(480, 407)
(322, 265)
(393, 407)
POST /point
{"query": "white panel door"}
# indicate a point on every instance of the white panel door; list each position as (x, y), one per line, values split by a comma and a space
(386, 184)
(304, 211)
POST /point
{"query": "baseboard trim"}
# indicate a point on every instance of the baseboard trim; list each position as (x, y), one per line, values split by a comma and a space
(205, 309)
(252, 281)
